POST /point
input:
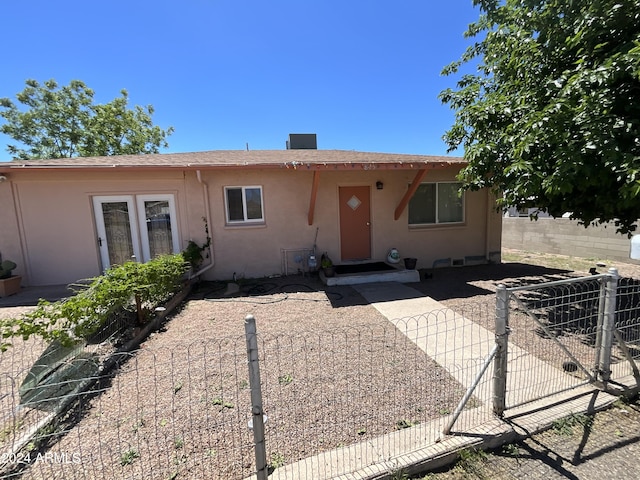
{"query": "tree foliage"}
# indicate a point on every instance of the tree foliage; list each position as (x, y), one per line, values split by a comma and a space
(551, 117)
(57, 122)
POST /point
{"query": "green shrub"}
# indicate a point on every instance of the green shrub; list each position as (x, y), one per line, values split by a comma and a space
(194, 254)
(137, 287)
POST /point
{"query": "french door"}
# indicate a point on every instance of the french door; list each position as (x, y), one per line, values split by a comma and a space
(135, 227)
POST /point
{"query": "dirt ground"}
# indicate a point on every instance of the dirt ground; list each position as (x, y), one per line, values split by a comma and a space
(334, 372)
(156, 419)
(595, 447)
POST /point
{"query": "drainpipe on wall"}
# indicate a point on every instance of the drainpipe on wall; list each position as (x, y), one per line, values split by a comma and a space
(207, 213)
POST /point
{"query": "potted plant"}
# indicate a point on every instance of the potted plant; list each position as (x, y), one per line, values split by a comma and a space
(410, 263)
(9, 284)
(327, 265)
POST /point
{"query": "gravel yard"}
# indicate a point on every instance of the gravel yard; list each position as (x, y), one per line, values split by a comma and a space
(334, 370)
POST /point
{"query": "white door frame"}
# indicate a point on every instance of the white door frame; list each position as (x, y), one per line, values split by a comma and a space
(102, 232)
(144, 234)
(137, 224)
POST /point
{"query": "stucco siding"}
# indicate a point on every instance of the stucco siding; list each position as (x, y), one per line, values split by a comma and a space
(10, 248)
(252, 251)
(52, 230)
(56, 222)
(58, 232)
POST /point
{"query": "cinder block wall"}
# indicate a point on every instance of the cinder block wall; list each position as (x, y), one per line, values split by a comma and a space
(565, 237)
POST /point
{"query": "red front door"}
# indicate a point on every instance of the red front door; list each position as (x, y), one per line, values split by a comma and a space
(355, 223)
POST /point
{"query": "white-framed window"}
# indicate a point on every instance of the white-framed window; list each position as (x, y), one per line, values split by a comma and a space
(244, 204)
(437, 203)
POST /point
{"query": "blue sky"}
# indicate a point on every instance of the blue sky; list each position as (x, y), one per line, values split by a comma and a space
(363, 75)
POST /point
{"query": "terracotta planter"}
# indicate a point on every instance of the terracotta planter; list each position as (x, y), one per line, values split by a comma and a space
(329, 271)
(9, 286)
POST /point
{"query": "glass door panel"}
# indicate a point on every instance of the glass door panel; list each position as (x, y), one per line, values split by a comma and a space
(158, 229)
(117, 232)
(117, 240)
(158, 222)
(139, 227)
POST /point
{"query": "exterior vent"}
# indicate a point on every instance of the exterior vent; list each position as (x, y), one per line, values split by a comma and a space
(302, 141)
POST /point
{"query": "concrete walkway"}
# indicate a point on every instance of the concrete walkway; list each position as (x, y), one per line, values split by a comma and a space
(460, 346)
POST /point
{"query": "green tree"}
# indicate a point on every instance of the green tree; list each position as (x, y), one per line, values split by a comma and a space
(58, 122)
(551, 117)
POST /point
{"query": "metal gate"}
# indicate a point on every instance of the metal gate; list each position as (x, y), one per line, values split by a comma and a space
(554, 336)
(559, 335)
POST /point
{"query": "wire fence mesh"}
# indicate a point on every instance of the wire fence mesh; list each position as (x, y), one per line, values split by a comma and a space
(161, 412)
(552, 337)
(185, 411)
(361, 386)
(626, 354)
(362, 391)
(556, 335)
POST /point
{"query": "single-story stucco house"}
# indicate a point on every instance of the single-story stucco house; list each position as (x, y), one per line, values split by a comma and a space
(67, 219)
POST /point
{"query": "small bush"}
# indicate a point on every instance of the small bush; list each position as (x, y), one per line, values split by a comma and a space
(136, 287)
(276, 460)
(128, 457)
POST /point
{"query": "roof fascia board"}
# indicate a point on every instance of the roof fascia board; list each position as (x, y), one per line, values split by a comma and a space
(306, 167)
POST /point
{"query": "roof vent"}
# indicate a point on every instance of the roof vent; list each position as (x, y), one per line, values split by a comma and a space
(302, 141)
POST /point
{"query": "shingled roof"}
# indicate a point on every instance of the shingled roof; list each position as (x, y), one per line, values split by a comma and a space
(221, 159)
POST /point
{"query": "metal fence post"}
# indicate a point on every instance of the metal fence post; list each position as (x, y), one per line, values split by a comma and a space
(598, 345)
(608, 325)
(500, 360)
(256, 397)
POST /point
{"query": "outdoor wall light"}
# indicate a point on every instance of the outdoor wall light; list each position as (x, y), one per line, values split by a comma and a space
(3, 178)
(379, 185)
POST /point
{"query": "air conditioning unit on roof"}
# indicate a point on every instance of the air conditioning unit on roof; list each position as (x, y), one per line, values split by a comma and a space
(302, 141)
